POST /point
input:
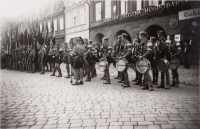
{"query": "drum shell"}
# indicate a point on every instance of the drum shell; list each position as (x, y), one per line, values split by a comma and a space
(121, 64)
(162, 65)
(143, 65)
(174, 63)
(102, 65)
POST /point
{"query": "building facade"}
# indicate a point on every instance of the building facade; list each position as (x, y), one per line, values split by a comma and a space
(77, 19)
(112, 18)
(54, 11)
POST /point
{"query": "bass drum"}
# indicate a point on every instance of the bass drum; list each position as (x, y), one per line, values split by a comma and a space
(143, 65)
(102, 65)
(162, 65)
(121, 64)
(174, 63)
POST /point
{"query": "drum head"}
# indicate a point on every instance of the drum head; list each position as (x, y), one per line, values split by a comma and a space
(102, 66)
(120, 65)
(142, 66)
(162, 65)
(174, 63)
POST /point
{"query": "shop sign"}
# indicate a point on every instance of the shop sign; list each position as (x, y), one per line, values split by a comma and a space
(177, 37)
(146, 11)
(188, 14)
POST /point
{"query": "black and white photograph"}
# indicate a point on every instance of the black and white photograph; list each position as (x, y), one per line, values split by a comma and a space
(99, 64)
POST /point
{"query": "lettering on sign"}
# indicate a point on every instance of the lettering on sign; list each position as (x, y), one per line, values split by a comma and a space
(146, 11)
(188, 14)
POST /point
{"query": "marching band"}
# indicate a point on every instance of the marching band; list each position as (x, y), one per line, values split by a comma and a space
(158, 55)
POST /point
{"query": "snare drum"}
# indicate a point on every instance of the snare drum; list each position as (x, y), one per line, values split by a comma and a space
(162, 65)
(121, 64)
(143, 65)
(102, 65)
(174, 63)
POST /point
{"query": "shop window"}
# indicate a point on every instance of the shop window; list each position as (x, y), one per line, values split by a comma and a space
(124, 6)
(55, 25)
(107, 8)
(61, 24)
(98, 11)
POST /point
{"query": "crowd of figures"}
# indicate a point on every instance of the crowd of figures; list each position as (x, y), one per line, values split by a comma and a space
(142, 55)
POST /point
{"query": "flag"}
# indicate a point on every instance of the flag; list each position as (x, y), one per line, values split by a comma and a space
(47, 33)
(52, 37)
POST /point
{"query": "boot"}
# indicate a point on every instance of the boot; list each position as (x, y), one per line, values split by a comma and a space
(121, 81)
(146, 87)
(167, 87)
(59, 75)
(151, 88)
(138, 83)
(103, 78)
(67, 76)
(143, 83)
(173, 83)
(177, 84)
(107, 82)
(87, 80)
(53, 74)
(135, 80)
(126, 85)
(81, 83)
(162, 85)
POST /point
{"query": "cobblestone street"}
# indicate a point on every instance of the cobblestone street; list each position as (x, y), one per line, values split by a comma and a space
(33, 101)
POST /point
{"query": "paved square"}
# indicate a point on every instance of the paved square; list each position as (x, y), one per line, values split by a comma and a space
(43, 102)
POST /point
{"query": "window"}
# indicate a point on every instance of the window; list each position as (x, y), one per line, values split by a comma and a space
(61, 24)
(98, 11)
(55, 25)
(49, 26)
(124, 6)
(75, 11)
(139, 4)
(107, 8)
(154, 2)
(71, 20)
(82, 18)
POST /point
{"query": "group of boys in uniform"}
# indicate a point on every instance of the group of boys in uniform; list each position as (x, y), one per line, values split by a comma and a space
(28, 59)
(153, 50)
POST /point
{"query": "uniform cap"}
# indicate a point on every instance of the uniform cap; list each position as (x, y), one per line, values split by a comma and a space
(105, 38)
(109, 47)
(79, 39)
(119, 36)
(160, 31)
(124, 35)
(90, 41)
(143, 32)
(89, 46)
(129, 44)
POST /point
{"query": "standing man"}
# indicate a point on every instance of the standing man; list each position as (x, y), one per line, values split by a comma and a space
(65, 59)
(175, 50)
(154, 68)
(58, 59)
(187, 42)
(77, 53)
(41, 54)
(107, 51)
(127, 56)
(146, 50)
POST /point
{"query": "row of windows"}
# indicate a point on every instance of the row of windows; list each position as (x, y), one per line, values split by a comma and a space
(61, 27)
(75, 17)
(124, 7)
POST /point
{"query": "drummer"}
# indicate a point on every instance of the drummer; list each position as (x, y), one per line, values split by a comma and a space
(107, 50)
(146, 47)
(175, 50)
(127, 56)
(163, 53)
(117, 52)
